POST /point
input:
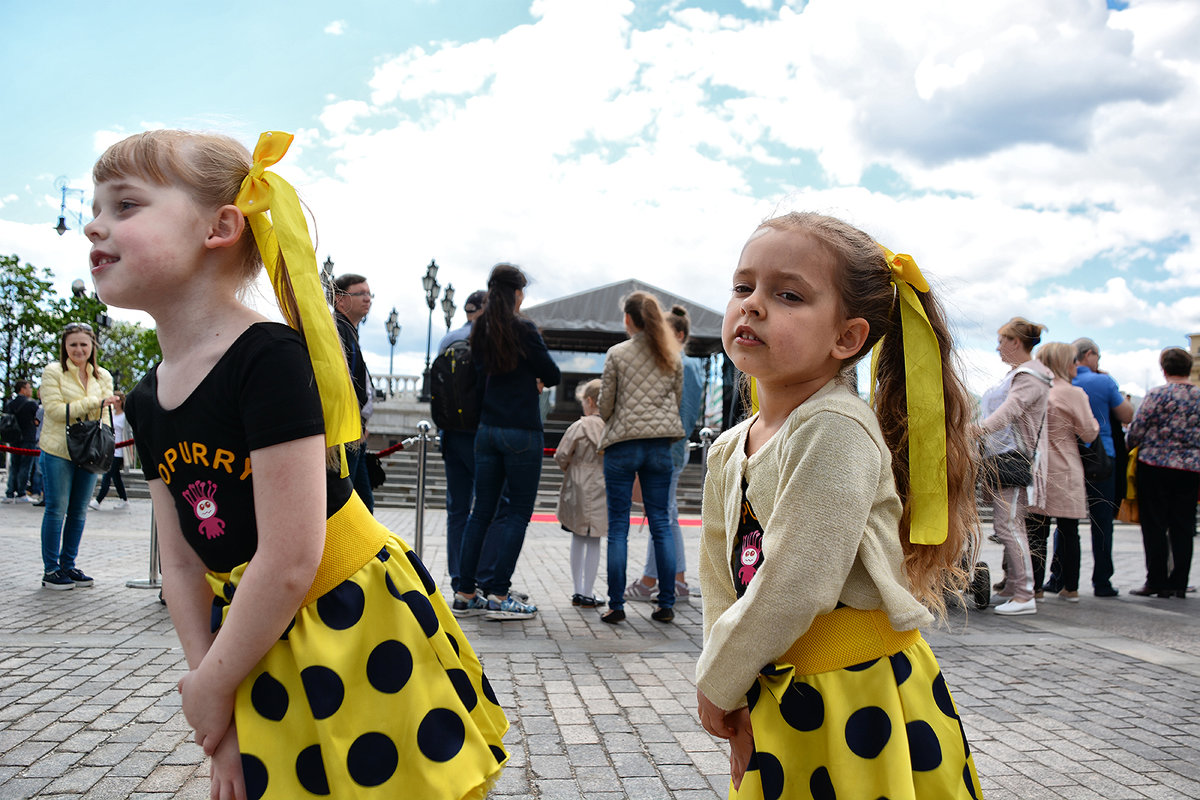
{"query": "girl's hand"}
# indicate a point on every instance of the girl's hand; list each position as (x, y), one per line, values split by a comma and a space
(741, 744)
(713, 717)
(208, 709)
(228, 783)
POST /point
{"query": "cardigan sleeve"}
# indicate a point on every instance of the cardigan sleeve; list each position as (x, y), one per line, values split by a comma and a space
(827, 479)
(608, 386)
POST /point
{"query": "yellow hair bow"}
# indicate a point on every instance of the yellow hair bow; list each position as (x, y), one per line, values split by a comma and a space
(286, 232)
(929, 505)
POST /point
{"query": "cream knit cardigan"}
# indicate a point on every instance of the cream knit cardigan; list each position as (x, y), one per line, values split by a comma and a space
(822, 489)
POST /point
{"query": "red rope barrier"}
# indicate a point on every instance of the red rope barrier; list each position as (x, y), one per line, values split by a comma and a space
(5, 448)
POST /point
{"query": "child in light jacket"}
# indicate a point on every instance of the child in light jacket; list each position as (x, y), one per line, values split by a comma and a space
(582, 506)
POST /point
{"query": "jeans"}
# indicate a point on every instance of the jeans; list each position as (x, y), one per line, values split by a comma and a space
(651, 568)
(1101, 508)
(458, 457)
(113, 476)
(507, 461)
(650, 461)
(356, 461)
(19, 466)
(68, 490)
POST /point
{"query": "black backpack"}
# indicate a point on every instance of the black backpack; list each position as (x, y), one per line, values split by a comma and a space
(10, 428)
(454, 397)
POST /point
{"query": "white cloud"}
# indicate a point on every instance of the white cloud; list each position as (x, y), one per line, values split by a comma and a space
(336, 28)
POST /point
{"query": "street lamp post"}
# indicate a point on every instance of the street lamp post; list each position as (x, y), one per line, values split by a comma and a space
(65, 187)
(432, 287)
(327, 279)
(393, 333)
(448, 306)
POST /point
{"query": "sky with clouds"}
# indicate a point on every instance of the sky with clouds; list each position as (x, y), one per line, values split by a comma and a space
(1037, 158)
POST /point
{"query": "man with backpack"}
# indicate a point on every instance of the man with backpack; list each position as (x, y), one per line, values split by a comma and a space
(20, 432)
(455, 402)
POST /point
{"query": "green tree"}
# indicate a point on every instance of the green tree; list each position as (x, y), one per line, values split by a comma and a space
(29, 321)
(128, 351)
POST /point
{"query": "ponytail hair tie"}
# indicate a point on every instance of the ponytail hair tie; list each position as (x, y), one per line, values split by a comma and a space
(286, 232)
(928, 493)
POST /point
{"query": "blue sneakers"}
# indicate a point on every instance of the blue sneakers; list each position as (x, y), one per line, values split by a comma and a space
(57, 580)
(468, 608)
(509, 608)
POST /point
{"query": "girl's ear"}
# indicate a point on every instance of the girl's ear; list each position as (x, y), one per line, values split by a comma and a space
(851, 339)
(225, 227)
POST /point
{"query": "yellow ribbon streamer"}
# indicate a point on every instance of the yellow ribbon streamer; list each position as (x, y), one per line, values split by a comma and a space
(928, 496)
(285, 230)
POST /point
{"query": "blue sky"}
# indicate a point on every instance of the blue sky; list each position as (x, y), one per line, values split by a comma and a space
(1037, 158)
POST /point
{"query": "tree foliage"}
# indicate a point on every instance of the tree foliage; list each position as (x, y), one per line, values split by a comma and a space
(32, 317)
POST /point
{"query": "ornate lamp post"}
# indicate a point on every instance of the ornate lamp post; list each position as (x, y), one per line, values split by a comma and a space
(327, 279)
(448, 306)
(393, 332)
(65, 187)
(432, 287)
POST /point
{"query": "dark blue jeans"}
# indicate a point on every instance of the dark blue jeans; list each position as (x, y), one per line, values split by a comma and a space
(507, 460)
(650, 461)
(458, 456)
(68, 490)
(356, 461)
(1101, 508)
(19, 466)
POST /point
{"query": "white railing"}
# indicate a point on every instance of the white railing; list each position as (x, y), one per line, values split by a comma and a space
(403, 387)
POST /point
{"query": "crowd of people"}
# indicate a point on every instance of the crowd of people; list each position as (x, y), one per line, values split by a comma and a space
(833, 529)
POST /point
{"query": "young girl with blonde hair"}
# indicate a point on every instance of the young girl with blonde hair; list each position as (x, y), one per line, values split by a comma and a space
(831, 529)
(581, 501)
(331, 665)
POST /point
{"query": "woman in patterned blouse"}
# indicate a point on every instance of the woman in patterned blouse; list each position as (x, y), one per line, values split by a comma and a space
(1166, 432)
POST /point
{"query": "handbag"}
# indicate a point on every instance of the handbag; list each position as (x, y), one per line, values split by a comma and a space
(91, 443)
(1128, 512)
(1008, 469)
(1097, 463)
(375, 471)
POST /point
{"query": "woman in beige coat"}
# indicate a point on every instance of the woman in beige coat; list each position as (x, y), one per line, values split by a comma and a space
(581, 501)
(74, 380)
(1068, 416)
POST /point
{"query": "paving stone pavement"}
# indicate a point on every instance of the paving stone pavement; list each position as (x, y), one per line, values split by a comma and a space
(1091, 701)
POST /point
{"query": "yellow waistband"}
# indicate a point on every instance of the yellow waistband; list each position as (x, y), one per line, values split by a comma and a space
(845, 637)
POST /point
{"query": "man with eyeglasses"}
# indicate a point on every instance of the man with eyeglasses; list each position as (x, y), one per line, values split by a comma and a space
(352, 302)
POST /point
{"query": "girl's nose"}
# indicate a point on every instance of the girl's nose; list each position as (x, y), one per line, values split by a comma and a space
(750, 305)
(92, 230)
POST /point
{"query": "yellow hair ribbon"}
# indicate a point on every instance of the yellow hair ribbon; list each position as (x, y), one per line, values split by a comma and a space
(929, 503)
(286, 231)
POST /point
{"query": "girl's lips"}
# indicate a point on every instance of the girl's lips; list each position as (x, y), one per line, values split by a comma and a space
(744, 336)
(102, 260)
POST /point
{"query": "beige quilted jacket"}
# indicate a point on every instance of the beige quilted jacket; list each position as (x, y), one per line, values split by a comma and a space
(637, 399)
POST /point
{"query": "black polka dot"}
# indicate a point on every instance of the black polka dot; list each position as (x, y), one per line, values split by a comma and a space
(269, 697)
(419, 568)
(227, 590)
(863, 666)
(868, 731)
(923, 746)
(498, 753)
(488, 691)
(441, 735)
(462, 685)
(383, 555)
(310, 770)
(752, 695)
(966, 747)
(254, 772)
(342, 607)
(820, 785)
(771, 669)
(324, 689)
(901, 667)
(214, 619)
(422, 609)
(391, 587)
(453, 643)
(970, 783)
(372, 759)
(389, 666)
(802, 707)
(770, 772)
(941, 696)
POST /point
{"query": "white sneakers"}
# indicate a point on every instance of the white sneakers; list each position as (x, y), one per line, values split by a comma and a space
(119, 504)
(94, 504)
(1013, 608)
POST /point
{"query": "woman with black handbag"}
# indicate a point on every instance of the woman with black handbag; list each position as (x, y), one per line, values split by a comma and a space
(77, 386)
(1014, 477)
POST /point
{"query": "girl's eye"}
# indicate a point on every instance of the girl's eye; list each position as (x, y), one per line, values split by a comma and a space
(125, 205)
(741, 288)
(791, 297)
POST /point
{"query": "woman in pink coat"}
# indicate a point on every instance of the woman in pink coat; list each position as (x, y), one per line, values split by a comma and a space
(1068, 415)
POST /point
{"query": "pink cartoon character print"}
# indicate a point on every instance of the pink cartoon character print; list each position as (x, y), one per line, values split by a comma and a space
(751, 553)
(200, 495)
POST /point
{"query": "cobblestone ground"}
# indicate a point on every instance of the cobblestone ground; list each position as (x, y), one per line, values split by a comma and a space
(1091, 701)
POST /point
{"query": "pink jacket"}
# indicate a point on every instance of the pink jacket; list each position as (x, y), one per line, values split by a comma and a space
(1067, 415)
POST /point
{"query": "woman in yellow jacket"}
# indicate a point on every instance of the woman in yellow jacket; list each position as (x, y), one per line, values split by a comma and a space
(75, 379)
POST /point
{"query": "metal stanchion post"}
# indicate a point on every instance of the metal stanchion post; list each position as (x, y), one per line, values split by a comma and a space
(423, 428)
(706, 439)
(154, 582)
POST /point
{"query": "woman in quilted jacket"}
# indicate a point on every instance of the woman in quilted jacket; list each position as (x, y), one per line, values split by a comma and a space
(639, 401)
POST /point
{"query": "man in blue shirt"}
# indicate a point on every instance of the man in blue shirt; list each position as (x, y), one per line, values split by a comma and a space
(1106, 400)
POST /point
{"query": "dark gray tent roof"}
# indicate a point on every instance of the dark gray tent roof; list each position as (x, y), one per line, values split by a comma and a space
(592, 321)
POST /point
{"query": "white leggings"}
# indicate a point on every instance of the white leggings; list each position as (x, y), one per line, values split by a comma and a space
(585, 560)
